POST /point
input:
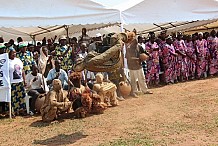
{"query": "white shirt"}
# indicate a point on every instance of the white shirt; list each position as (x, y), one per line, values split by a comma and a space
(36, 84)
(81, 55)
(15, 70)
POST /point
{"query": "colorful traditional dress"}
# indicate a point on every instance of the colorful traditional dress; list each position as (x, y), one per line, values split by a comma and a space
(169, 63)
(17, 86)
(153, 66)
(67, 60)
(27, 60)
(213, 62)
(181, 65)
(202, 55)
(191, 59)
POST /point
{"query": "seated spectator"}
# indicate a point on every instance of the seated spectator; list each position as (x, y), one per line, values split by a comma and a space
(35, 85)
(58, 73)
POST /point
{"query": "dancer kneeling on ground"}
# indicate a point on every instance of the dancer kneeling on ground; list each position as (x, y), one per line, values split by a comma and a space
(106, 90)
(55, 103)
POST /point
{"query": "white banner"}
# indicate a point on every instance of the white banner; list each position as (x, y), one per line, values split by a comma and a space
(5, 86)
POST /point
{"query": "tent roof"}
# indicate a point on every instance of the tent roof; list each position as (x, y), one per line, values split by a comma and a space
(159, 11)
(203, 28)
(27, 13)
(48, 18)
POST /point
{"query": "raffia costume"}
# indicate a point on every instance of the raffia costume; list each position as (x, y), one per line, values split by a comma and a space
(55, 102)
(106, 90)
(105, 62)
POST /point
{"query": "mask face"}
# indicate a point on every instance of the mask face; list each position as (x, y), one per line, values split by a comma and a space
(57, 84)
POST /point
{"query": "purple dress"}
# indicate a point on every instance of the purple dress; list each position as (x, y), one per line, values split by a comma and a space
(213, 62)
(191, 59)
(202, 57)
(153, 66)
(169, 62)
(181, 64)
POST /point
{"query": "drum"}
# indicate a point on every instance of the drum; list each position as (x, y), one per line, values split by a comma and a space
(143, 57)
(39, 102)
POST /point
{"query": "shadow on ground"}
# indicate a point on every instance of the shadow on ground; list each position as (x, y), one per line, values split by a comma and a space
(61, 139)
(60, 119)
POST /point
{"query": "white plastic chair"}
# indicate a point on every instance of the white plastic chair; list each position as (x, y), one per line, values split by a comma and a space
(27, 101)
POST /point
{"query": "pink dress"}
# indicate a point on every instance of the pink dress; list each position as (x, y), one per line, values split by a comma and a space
(169, 62)
(181, 64)
(202, 57)
(191, 59)
(153, 66)
(213, 62)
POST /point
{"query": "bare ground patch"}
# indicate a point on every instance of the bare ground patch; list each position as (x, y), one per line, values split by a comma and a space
(180, 114)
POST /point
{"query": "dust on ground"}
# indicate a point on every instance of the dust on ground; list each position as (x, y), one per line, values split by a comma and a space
(180, 114)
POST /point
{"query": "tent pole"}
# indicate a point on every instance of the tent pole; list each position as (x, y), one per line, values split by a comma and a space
(33, 39)
(10, 110)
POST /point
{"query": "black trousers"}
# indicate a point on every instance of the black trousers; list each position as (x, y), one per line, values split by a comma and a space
(34, 93)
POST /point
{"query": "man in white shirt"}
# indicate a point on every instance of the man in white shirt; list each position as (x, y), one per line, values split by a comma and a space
(35, 85)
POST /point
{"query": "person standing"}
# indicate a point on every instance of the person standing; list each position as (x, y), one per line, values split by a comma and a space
(191, 57)
(84, 38)
(64, 53)
(17, 79)
(169, 61)
(134, 66)
(181, 64)
(153, 66)
(26, 57)
(213, 46)
(142, 45)
(43, 58)
(202, 56)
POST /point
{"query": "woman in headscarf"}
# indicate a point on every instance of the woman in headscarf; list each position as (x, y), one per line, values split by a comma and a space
(191, 57)
(43, 58)
(181, 64)
(212, 46)
(169, 56)
(25, 56)
(202, 56)
(153, 67)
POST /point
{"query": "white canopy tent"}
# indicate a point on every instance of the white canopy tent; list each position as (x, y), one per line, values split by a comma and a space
(30, 18)
(159, 11)
(28, 13)
(27, 33)
(41, 18)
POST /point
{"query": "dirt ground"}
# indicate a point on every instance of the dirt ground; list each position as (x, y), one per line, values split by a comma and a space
(184, 114)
